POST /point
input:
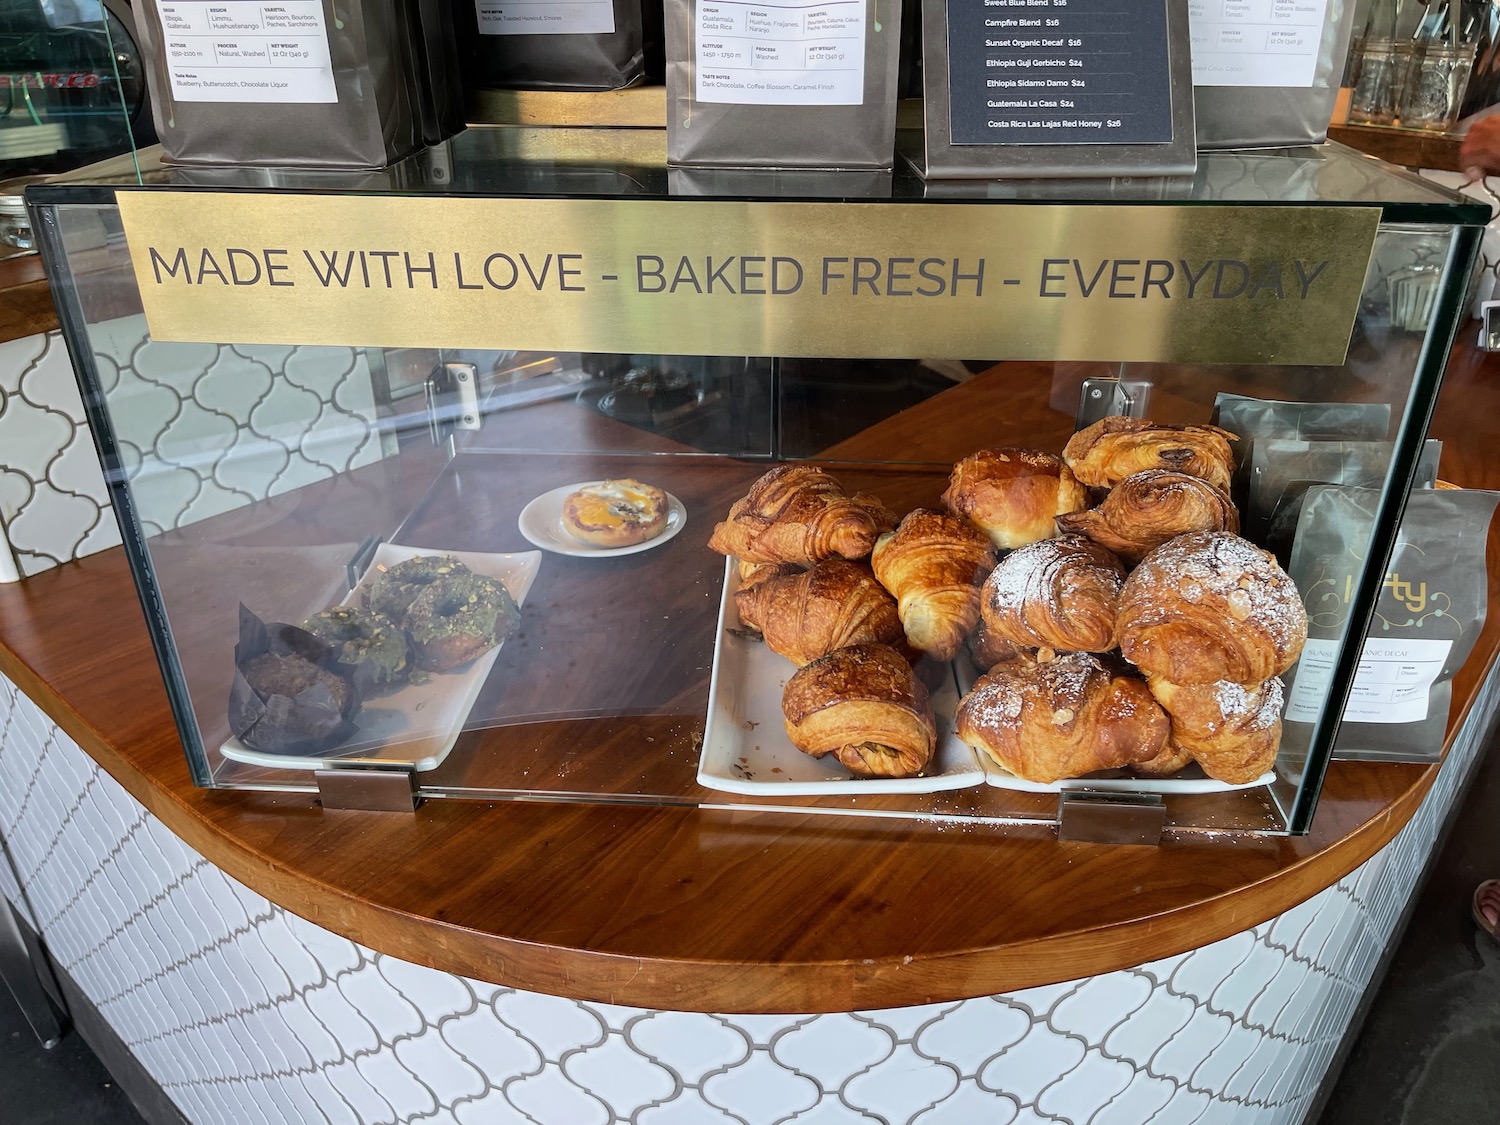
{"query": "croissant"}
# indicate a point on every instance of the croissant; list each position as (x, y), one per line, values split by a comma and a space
(865, 706)
(753, 574)
(1013, 495)
(800, 514)
(986, 650)
(1060, 593)
(934, 565)
(1171, 760)
(1146, 509)
(812, 612)
(1114, 448)
(1210, 606)
(1231, 730)
(1044, 720)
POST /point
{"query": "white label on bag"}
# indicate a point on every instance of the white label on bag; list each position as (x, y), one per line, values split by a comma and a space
(542, 17)
(247, 51)
(1256, 42)
(1391, 685)
(792, 52)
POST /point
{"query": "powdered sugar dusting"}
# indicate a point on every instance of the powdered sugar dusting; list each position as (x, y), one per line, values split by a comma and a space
(1231, 698)
(1208, 565)
(1031, 573)
(1066, 679)
(994, 702)
(1252, 707)
(1057, 689)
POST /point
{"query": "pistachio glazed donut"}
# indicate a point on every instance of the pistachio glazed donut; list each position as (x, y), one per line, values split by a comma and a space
(395, 589)
(454, 620)
(363, 639)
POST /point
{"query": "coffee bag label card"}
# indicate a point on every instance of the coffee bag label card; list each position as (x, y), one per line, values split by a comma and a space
(544, 17)
(792, 52)
(1059, 72)
(1256, 42)
(245, 51)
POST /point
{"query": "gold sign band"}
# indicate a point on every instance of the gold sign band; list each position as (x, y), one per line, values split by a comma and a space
(1153, 283)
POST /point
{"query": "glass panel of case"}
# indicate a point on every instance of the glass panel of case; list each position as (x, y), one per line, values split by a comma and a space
(72, 90)
(286, 480)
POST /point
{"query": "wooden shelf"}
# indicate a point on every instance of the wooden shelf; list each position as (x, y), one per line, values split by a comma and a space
(1414, 148)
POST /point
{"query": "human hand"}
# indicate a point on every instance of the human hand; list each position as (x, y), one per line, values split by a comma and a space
(1479, 155)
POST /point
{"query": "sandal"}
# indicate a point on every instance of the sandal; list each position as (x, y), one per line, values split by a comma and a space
(1487, 894)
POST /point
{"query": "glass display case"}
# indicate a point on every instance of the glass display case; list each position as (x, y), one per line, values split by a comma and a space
(289, 427)
(72, 90)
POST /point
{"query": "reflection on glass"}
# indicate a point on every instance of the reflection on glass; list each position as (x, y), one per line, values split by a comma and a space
(71, 85)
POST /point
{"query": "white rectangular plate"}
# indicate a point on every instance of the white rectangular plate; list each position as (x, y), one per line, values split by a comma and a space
(1113, 781)
(745, 747)
(417, 724)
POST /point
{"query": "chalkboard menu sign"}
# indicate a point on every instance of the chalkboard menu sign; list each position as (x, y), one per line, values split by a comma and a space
(1054, 88)
(1048, 72)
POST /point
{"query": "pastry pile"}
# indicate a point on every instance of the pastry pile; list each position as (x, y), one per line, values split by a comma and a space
(1123, 621)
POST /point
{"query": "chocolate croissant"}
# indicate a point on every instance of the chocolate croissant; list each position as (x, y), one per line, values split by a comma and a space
(1210, 606)
(865, 706)
(934, 564)
(1013, 495)
(1231, 730)
(1047, 719)
(1113, 448)
(1146, 509)
(800, 514)
(1060, 593)
(812, 612)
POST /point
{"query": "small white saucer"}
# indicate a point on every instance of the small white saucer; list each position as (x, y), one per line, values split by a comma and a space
(541, 524)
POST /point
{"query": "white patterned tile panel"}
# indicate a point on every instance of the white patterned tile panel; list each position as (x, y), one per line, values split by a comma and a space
(388, 1012)
(495, 1108)
(969, 1103)
(244, 1013)
(490, 1046)
(354, 1091)
(759, 1092)
(968, 1035)
(1250, 978)
(1027, 1068)
(203, 429)
(567, 1026)
(1084, 1091)
(1099, 1006)
(1139, 1102)
(549, 1098)
(1205, 969)
(1141, 1032)
(690, 1044)
(622, 1079)
(1186, 1050)
(437, 995)
(832, 1049)
(397, 1086)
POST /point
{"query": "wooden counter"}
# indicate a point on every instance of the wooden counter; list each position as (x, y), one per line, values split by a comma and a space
(696, 910)
(1414, 148)
(25, 300)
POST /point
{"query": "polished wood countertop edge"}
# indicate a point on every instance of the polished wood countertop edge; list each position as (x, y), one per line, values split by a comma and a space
(199, 817)
(26, 307)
